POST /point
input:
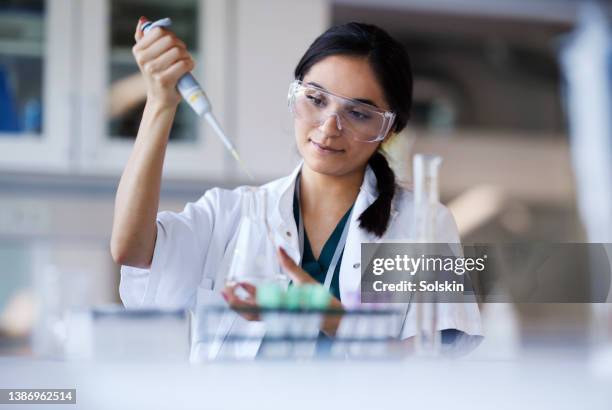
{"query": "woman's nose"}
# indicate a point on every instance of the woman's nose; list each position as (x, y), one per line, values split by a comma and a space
(332, 125)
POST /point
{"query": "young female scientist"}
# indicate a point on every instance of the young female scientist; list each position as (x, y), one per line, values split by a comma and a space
(352, 91)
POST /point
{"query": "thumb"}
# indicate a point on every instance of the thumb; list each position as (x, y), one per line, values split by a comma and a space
(139, 34)
(296, 273)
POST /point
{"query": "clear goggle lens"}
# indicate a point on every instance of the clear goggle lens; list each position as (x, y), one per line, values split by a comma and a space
(356, 119)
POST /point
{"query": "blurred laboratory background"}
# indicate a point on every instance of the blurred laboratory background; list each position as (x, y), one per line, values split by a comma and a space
(513, 94)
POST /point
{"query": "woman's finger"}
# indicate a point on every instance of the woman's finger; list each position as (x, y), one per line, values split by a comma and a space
(249, 288)
(152, 36)
(231, 296)
(297, 274)
(172, 74)
(237, 303)
(138, 34)
(161, 45)
(166, 60)
(228, 294)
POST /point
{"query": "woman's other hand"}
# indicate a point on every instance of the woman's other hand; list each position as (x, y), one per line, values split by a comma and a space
(236, 302)
(299, 276)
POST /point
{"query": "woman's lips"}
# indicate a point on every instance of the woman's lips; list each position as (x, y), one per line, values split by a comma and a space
(325, 150)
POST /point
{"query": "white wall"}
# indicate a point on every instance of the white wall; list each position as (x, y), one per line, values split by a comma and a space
(271, 36)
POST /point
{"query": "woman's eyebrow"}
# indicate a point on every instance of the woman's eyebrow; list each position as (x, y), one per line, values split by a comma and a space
(363, 100)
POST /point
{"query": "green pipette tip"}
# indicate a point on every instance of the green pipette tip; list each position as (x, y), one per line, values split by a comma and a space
(319, 297)
(270, 295)
(293, 298)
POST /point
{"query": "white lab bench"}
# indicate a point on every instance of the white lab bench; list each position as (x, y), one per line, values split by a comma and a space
(534, 383)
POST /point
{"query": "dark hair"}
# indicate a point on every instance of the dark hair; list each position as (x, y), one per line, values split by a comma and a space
(391, 65)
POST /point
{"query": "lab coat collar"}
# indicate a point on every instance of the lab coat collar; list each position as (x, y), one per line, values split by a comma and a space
(284, 222)
(287, 187)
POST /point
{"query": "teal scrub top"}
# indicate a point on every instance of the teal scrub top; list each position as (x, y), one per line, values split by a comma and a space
(318, 268)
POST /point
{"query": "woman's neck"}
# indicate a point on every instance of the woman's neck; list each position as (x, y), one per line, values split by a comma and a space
(335, 194)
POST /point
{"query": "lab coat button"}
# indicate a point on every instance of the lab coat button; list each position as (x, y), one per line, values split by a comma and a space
(356, 265)
(288, 234)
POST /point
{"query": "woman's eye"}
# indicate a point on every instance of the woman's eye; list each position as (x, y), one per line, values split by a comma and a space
(358, 115)
(314, 100)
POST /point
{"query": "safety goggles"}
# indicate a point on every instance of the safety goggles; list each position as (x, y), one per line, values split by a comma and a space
(356, 119)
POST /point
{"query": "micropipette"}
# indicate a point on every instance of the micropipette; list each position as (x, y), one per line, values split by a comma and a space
(194, 95)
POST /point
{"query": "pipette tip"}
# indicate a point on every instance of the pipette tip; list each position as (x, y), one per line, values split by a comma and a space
(242, 164)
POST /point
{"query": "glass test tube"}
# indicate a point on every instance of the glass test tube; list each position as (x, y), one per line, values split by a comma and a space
(426, 194)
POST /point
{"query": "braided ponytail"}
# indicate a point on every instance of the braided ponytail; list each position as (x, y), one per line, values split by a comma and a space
(376, 217)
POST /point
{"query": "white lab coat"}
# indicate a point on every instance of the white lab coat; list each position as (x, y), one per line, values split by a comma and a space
(193, 248)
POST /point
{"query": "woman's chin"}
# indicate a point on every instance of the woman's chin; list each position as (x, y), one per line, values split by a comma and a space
(326, 166)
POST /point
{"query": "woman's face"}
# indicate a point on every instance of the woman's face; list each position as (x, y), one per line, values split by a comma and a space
(325, 148)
